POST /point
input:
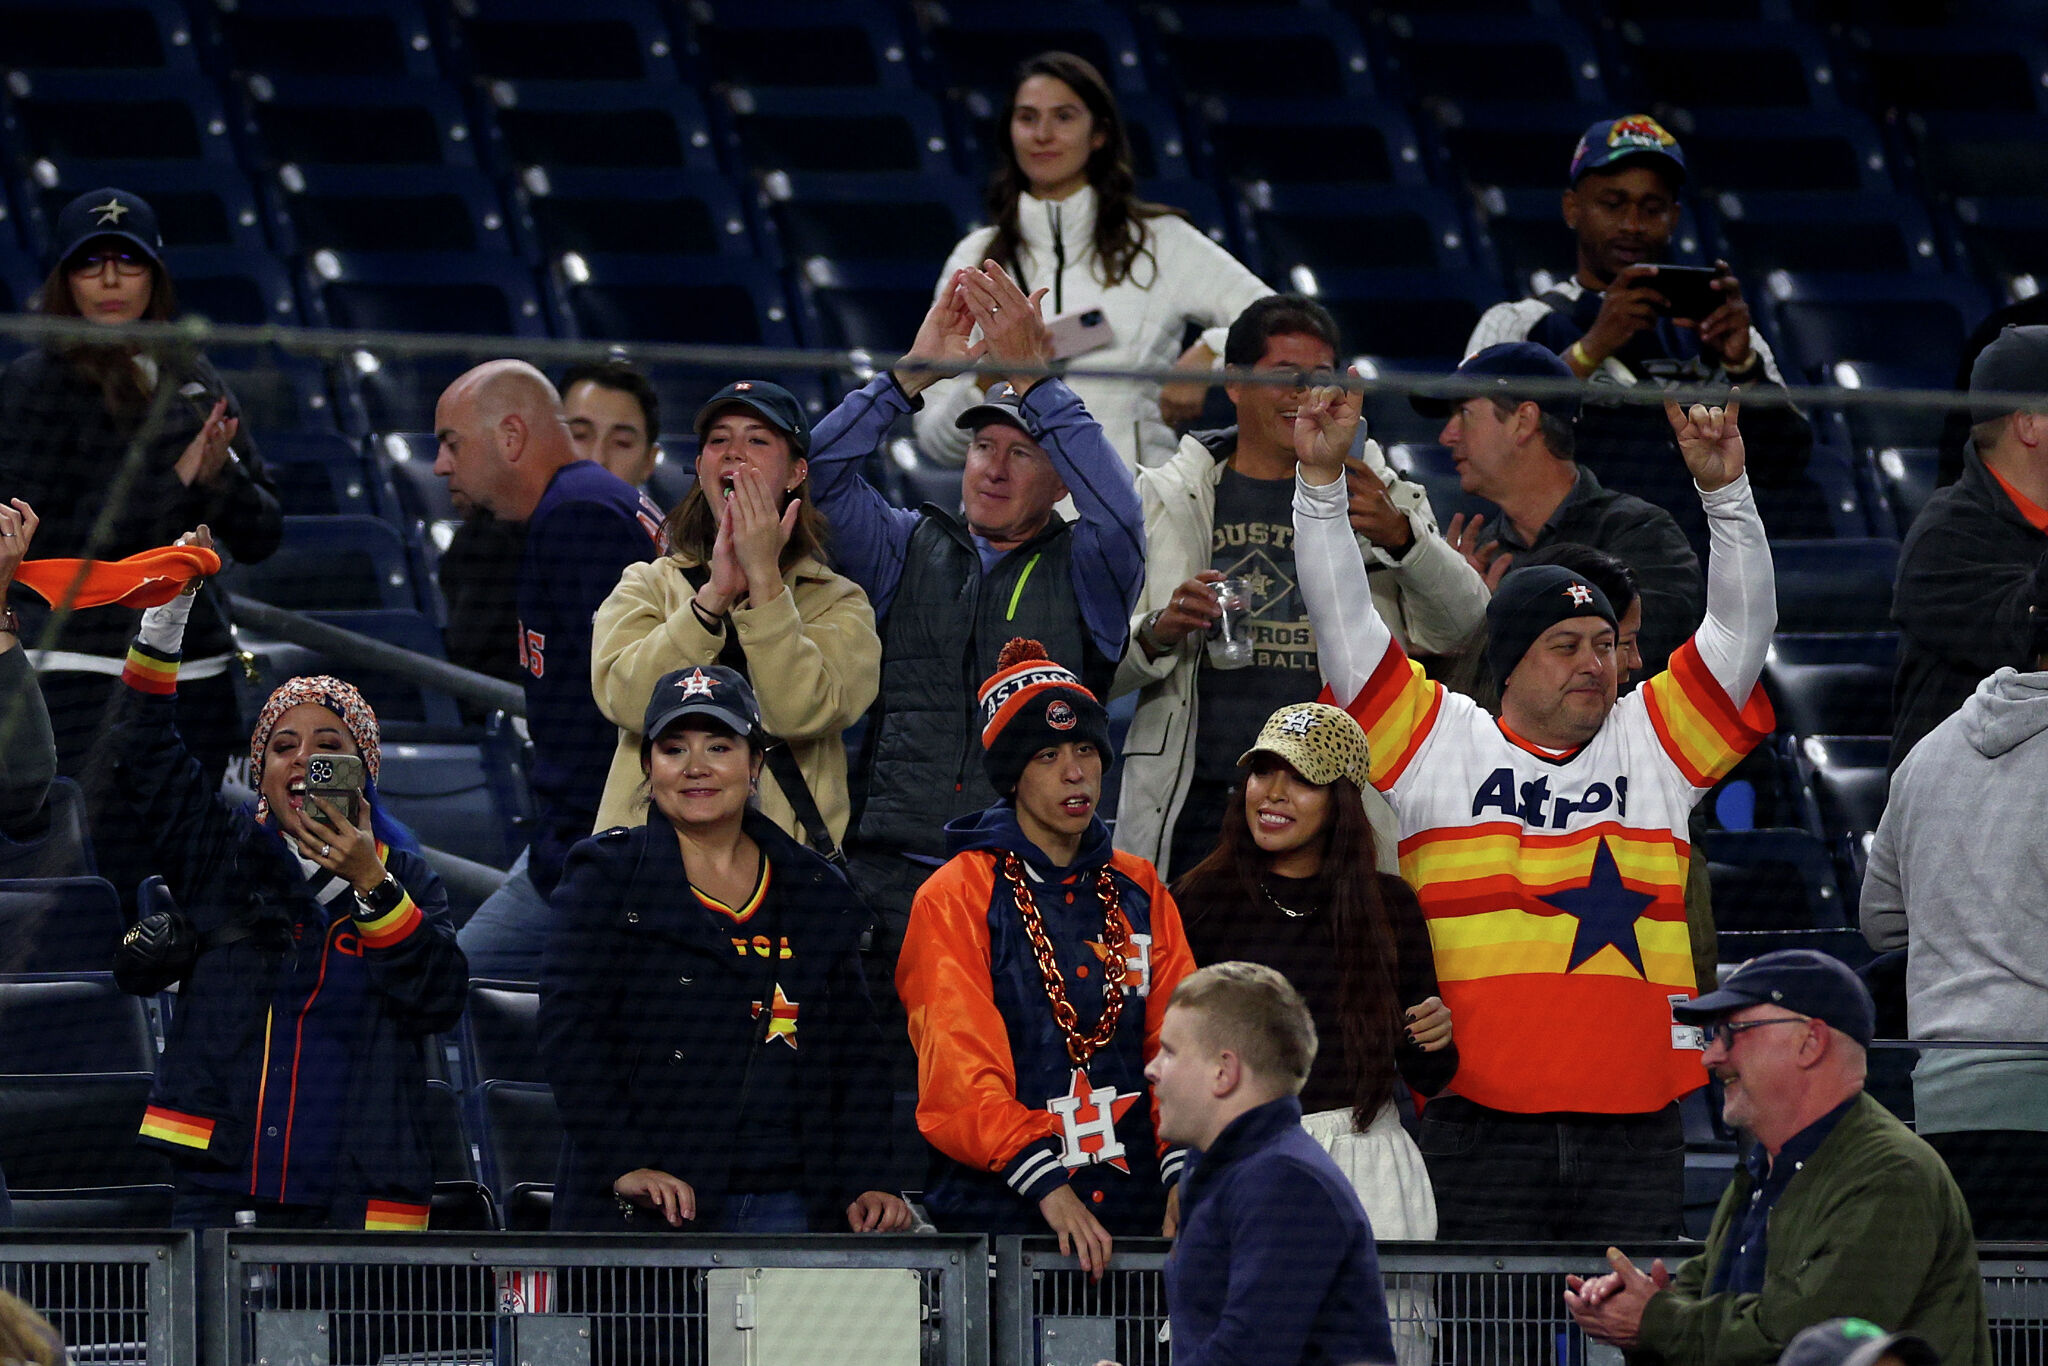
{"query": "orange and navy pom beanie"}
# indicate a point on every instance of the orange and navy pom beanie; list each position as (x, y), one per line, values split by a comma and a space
(148, 579)
(1032, 703)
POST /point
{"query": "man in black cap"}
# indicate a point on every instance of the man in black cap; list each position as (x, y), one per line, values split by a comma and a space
(1973, 575)
(1839, 1208)
(1611, 323)
(1517, 448)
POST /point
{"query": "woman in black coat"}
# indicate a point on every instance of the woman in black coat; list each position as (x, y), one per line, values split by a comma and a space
(703, 1018)
(70, 414)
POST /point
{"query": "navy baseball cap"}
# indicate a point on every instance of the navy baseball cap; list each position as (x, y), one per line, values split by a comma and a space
(1612, 141)
(768, 401)
(713, 692)
(1803, 981)
(1003, 405)
(1493, 371)
(1855, 1342)
(2016, 362)
(106, 213)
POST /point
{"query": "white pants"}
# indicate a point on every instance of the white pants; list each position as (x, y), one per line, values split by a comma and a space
(1386, 1169)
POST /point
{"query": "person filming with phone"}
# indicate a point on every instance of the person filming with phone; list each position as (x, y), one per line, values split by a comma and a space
(313, 955)
(1627, 316)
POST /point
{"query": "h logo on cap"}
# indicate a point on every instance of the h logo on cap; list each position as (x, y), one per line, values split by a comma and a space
(1580, 594)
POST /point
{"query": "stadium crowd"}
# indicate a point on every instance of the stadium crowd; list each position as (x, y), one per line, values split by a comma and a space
(1447, 780)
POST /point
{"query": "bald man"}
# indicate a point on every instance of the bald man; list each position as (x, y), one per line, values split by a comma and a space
(504, 445)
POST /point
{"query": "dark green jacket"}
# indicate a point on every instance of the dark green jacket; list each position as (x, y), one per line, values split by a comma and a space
(1873, 1226)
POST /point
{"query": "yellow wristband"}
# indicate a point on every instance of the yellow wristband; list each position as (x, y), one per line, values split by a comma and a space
(1576, 353)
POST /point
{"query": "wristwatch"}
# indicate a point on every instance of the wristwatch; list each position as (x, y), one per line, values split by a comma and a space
(383, 898)
(1147, 641)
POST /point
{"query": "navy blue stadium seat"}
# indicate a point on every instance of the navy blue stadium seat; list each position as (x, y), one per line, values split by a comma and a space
(318, 474)
(375, 39)
(309, 120)
(651, 212)
(278, 393)
(1827, 501)
(675, 474)
(592, 40)
(1914, 323)
(390, 208)
(399, 392)
(1204, 208)
(1772, 880)
(1484, 142)
(332, 564)
(73, 1134)
(1496, 57)
(1766, 230)
(1978, 68)
(460, 1202)
(1400, 314)
(1328, 227)
(1212, 49)
(1783, 65)
(1871, 425)
(83, 115)
(74, 1023)
(1832, 684)
(501, 1031)
(107, 37)
(59, 924)
(839, 129)
(58, 845)
(763, 43)
(425, 292)
(1808, 150)
(1849, 778)
(407, 458)
(225, 285)
(203, 204)
(1288, 140)
(107, 1207)
(1967, 154)
(2004, 238)
(600, 126)
(872, 305)
(21, 277)
(909, 218)
(443, 792)
(405, 709)
(1833, 586)
(979, 48)
(713, 301)
(521, 1138)
(1739, 946)
(1905, 478)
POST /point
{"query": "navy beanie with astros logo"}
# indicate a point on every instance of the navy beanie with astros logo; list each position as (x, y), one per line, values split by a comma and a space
(1032, 703)
(1529, 602)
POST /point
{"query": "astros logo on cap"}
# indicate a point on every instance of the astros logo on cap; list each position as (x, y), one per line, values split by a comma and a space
(1580, 594)
(1060, 715)
(696, 685)
(744, 386)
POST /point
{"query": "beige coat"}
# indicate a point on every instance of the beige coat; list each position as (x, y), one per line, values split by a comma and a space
(812, 653)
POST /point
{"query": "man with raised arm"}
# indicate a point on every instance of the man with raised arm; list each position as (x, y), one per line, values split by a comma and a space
(1549, 847)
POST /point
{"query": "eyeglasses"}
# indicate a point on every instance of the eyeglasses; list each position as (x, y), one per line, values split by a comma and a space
(1723, 1032)
(125, 262)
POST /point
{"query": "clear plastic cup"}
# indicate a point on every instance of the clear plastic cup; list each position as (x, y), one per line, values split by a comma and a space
(1230, 640)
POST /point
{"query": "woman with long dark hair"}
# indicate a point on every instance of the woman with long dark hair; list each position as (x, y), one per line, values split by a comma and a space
(1124, 276)
(70, 415)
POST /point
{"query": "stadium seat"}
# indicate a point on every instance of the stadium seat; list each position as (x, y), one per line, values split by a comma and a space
(1333, 227)
(1873, 425)
(592, 40)
(1772, 880)
(675, 474)
(1849, 779)
(1834, 586)
(1832, 684)
(1971, 154)
(203, 204)
(1915, 324)
(1783, 149)
(1905, 478)
(1526, 231)
(713, 301)
(461, 1202)
(67, 1136)
(1766, 230)
(902, 218)
(877, 305)
(1782, 65)
(501, 1031)
(59, 924)
(332, 564)
(1975, 68)
(562, 125)
(2003, 237)
(406, 710)
(318, 474)
(1289, 141)
(59, 847)
(375, 39)
(1827, 501)
(1739, 946)
(767, 43)
(303, 120)
(522, 1145)
(1234, 50)
(278, 393)
(225, 285)
(1485, 143)
(839, 129)
(399, 392)
(444, 794)
(407, 458)
(1429, 465)
(979, 48)
(1496, 57)
(1402, 314)
(480, 292)
(73, 1024)
(390, 208)
(94, 1207)
(649, 212)
(20, 278)
(60, 116)
(107, 37)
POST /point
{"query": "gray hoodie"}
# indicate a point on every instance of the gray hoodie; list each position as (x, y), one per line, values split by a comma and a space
(1958, 875)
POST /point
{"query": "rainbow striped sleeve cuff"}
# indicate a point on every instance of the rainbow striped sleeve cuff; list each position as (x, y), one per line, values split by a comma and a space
(182, 1130)
(392, 928)
(394, 1216)
(150, 671)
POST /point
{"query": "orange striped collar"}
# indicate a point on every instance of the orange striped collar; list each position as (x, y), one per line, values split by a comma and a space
(744, 912)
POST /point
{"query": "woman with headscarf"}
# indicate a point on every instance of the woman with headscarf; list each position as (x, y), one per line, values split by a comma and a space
(292, 1084)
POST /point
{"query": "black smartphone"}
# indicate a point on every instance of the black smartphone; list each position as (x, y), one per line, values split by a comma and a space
(1688, 291)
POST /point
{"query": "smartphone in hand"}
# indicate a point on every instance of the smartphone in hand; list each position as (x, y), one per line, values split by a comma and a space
(339, 779)
(1688, 291)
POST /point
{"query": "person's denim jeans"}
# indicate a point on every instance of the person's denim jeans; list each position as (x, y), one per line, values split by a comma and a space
(505, 938)
(767, 1212)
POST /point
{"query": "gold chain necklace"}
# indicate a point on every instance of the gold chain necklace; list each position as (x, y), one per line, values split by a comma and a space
(1116, 938)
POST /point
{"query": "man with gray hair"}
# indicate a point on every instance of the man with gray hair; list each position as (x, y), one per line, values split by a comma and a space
(1275, 1261)
(505, 446)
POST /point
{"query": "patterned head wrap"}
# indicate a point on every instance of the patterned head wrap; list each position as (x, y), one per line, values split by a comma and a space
(338, 697)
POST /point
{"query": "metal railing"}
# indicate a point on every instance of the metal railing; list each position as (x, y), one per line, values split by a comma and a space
(124, 1297)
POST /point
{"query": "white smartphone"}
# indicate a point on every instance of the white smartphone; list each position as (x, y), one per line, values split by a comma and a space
(1079, 332)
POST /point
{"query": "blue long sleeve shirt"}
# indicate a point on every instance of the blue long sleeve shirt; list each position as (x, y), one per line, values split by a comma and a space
(1275, 1264)
(869, 534)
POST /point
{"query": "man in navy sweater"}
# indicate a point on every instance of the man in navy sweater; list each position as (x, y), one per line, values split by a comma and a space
(1275, 1261)
(505, 446)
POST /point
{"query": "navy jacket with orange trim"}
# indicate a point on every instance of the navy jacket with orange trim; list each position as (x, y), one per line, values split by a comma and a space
(367, 994)
(992, 1063)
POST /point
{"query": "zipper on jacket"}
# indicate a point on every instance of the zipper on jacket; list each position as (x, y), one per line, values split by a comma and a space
(1059, 263)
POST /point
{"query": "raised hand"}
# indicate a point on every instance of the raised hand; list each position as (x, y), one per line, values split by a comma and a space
(1486, 557)
(1323, 427)
(941, 347)
(18, 524)
(1710, 442)
(1373, 514)
(1192, 608)
(208, 452)
(728, 579)
(761, 527)
(1012, 324)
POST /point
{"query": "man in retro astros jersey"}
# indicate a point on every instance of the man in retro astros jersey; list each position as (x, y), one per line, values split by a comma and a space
(1549, 847)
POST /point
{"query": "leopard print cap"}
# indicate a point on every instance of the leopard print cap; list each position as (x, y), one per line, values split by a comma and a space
(1320, 742)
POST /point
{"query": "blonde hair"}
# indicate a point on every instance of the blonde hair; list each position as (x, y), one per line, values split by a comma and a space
(1251, 1010)
(26, 1336)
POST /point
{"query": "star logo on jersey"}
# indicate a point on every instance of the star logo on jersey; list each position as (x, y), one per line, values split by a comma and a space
(1607, 910)
(697, 684)
(1580, 595)
(781, 1018)
(109, 212)
(1088, 1116)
